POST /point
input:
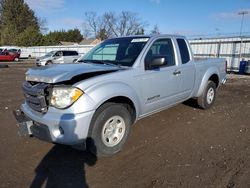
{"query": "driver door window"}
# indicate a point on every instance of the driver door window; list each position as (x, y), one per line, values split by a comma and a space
(58, 54)
(162, 48)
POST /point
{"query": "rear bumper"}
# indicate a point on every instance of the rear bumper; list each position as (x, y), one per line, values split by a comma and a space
(67, 129)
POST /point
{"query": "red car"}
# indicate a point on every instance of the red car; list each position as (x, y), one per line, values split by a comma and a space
(6, 56)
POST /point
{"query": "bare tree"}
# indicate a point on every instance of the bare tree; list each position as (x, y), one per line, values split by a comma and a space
(93, 21)
(110, 24)
(128, 24)
(109, 21)
(86, 30)
(155, 30)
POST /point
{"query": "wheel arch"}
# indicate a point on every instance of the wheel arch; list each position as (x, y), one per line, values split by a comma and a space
(48, 62)
(116, 92)
(124, 100)
(215, 79)
(211, 74)
(127, 102)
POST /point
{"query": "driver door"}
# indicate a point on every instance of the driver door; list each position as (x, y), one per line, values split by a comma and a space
(58, 57)
(160, 86)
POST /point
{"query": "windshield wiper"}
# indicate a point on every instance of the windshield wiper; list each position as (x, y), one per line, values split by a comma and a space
(103, 62)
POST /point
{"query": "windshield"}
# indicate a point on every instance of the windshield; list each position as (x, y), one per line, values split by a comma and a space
(49, 54)
(117, 51)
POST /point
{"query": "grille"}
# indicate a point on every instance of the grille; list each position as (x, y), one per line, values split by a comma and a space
(35, 96)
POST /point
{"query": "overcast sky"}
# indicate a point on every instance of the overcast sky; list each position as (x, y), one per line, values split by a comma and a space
(187, 17)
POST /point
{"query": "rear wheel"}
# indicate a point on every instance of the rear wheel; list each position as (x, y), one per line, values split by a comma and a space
(208, 96)
(110, 129)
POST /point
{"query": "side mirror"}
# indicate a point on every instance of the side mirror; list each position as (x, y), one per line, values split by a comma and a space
(154, 62)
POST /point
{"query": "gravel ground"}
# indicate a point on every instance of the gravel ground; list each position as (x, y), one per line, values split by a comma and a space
(180, 147)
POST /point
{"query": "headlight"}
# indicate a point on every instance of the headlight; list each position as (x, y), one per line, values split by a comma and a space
(63, 97)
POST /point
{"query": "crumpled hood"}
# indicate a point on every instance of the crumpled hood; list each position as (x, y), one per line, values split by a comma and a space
(62, 72)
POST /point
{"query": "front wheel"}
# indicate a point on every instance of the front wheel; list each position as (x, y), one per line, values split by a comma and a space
(208, 96)
(48, 63)
(110, 129)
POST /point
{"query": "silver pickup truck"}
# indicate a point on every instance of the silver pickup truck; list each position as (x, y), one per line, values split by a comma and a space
(93, 103)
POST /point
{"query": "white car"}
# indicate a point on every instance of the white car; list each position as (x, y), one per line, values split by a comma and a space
(58, 57)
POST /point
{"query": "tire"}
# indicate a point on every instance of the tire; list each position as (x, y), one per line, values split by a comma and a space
(208, 96)
(74, 61)
(110, 127)
(16, 59)
(48, 63)
(4, 66)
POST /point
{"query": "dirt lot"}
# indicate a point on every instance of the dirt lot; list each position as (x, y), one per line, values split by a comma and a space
(180, 147)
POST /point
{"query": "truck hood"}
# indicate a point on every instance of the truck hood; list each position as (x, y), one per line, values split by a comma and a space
(63, 72)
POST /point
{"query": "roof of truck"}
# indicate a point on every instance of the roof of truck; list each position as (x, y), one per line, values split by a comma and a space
(153, 36)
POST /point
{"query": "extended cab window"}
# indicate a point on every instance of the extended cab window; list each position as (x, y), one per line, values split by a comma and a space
(185, 57)
(162, 48)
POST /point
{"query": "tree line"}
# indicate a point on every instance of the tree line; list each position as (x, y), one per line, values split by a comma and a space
(20, 26)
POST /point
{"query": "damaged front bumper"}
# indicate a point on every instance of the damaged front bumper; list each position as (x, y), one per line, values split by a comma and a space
(61, 128)
(27, 127)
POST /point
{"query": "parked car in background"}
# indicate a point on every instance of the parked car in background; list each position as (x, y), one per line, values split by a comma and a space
(58, 57)
(13, 52)
(9, 56)
(26, 53)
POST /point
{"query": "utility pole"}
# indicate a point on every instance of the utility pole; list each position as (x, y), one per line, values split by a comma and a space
(243, 13)
(219, 44)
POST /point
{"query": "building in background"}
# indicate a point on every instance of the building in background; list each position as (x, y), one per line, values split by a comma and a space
(63, 43)
(90, 42)
(223, 47)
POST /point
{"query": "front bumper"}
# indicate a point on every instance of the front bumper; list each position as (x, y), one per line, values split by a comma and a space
(40, 63)
(68, 129)
(28, 127)
(224, 80)
(24, 123)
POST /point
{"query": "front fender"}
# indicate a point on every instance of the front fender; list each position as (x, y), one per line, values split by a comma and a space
(102, 92)
(211, 71)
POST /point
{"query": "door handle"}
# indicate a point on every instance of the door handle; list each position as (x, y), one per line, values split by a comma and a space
(177, 72)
